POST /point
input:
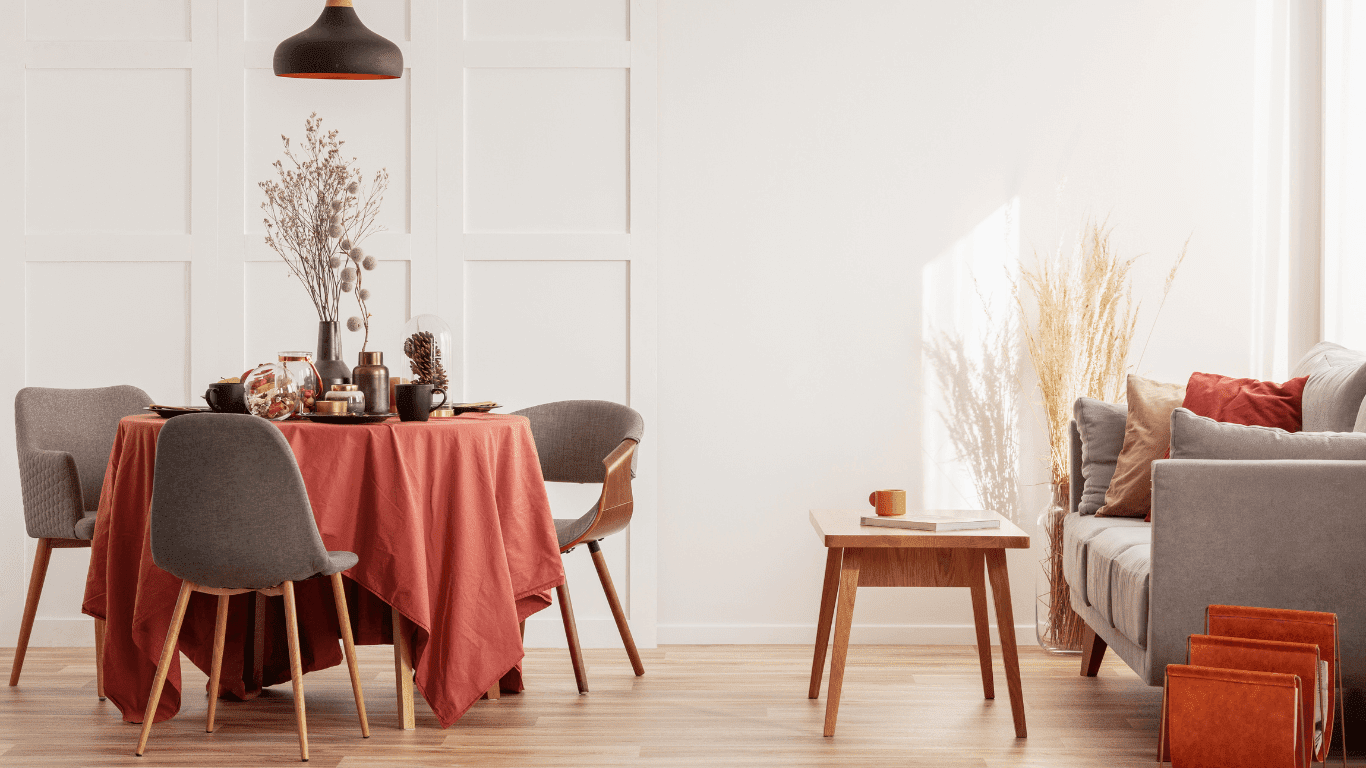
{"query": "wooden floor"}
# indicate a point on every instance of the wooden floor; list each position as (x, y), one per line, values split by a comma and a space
(696, 706)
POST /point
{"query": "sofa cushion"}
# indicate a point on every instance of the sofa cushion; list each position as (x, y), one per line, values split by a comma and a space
(1335, 390)
(1129, 585)
(1196, 437)
(1247, 401)
(1103, 578)
(1147, 435)
(1101, 426)
(1078, 531)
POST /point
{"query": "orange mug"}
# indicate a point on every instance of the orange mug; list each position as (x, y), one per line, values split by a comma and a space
(888, 503)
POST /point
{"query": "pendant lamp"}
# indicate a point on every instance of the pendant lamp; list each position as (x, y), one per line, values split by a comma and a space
(338, 47)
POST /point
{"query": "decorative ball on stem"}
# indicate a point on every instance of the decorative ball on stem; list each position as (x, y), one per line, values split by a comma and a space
(369, 262)
(353, 323)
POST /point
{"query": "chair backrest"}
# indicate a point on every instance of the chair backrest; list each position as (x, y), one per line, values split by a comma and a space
(81, 422)
(574, 436)
(229, 507)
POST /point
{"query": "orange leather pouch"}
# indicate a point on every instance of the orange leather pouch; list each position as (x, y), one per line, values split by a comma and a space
(1287, 626)
(1231, 718)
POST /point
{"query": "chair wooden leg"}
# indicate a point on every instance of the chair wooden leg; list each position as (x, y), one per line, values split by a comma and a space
(618, 614)
(349, 645)
(168, 653)
(35, 591)
(220, 636)
(403, 672)
(99, 658)
(571, 633)
(296, 667)
(1092, 652)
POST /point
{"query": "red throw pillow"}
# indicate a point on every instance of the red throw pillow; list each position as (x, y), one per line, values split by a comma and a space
(1246, 401)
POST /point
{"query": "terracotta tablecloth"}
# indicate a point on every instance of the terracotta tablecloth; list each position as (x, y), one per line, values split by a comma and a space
(453, 529)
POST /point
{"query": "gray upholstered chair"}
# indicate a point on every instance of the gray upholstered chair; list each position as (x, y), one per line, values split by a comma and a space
(64, 437)
(590, 441)
(230, 515)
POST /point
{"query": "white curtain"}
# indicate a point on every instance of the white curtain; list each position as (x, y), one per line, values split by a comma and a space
(1344, 182)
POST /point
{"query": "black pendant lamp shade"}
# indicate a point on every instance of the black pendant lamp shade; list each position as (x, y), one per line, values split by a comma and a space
(338, 47)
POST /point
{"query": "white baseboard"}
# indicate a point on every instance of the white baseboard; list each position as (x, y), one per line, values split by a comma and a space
(73, 632)
(805, 634)
(548, 632)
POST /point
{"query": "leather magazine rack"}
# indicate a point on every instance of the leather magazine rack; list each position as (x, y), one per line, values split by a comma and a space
(1301, 644)
(1233, 718)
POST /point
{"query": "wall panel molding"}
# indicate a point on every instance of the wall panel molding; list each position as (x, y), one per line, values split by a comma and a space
(165, 238)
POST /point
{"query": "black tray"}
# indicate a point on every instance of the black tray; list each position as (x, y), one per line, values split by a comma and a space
(167, 413)
(349, 418)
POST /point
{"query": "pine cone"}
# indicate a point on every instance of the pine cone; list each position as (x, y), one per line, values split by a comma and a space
(424, 358)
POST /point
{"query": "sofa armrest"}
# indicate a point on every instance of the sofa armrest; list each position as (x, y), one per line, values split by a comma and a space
(1277, 534)
(51, 490)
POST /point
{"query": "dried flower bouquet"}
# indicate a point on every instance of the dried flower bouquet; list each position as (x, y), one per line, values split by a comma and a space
(318, 211)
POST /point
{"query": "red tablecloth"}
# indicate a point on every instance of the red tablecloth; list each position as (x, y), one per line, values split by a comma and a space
(453, 529)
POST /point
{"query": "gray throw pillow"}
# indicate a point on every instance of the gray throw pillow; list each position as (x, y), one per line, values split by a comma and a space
(1101, 426)
(1196, 437)
(1335, 390)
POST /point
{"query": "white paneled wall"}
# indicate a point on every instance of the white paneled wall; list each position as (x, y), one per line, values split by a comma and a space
(521, 208)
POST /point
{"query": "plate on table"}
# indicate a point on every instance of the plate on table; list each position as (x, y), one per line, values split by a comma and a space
(348, 418)
(484, 407)
(167, 411)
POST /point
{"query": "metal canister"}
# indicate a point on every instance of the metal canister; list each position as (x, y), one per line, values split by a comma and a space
(373, 379)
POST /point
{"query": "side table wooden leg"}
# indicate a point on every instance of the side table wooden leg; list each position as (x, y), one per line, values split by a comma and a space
(828, 592)
(979, 617)
(403, 671)
(844, 619)
(1005, 623)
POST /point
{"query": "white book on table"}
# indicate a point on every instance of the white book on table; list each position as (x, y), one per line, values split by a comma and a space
(937, 520)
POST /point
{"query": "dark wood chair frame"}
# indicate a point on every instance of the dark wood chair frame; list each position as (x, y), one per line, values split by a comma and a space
(615, 506)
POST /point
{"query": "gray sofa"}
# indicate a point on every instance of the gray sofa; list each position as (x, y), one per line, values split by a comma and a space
(1281, 534)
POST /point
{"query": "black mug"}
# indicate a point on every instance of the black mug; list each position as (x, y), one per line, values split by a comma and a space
(414, 401)
(226, 398)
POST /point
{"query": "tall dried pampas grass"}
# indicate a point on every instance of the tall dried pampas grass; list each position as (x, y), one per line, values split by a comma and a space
(1078, 335)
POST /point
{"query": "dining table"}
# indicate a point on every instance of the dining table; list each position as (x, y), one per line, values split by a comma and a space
(457, 547)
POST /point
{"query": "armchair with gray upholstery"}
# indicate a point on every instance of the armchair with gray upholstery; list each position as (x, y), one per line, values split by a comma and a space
(590, 441)
(1267, 533)
(64, 437)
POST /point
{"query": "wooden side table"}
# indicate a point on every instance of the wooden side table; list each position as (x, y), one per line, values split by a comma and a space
(863, 556)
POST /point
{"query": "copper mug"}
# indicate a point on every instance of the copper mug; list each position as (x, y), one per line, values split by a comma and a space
(888, 503)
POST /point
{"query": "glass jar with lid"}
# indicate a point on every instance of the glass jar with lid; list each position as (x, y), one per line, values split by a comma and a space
(427, 345)
(305, 375)
(351, 394)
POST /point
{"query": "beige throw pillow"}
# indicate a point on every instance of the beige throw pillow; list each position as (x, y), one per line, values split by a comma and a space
(1147, 437)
